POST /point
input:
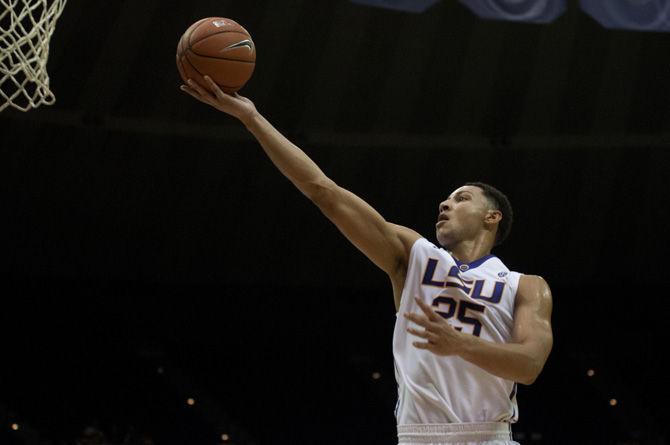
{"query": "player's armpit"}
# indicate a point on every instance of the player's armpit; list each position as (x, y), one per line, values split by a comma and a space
(385, 244)
(532, 321)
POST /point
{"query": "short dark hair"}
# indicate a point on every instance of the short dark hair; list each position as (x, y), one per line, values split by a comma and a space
(499, 202)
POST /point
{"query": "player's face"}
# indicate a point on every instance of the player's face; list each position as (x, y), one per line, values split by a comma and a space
(461, 216)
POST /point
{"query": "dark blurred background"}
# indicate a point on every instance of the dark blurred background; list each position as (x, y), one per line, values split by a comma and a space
(163, 284)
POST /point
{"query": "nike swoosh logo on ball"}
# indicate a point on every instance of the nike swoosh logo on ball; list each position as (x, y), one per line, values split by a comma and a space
(246, 42)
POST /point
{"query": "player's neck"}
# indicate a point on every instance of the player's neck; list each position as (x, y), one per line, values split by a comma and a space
(468, 251)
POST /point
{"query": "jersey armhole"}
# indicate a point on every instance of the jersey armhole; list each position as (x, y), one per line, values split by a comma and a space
(412, 254)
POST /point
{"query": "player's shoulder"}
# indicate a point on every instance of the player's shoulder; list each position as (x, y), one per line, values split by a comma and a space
(533, 280)
(533, 286)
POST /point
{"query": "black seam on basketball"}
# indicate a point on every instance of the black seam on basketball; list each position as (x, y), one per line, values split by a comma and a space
(213, 34)
(196, 25)
(203, 75)
(221, 58)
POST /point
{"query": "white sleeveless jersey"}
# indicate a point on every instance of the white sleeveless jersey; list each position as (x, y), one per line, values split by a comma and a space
(476, 298)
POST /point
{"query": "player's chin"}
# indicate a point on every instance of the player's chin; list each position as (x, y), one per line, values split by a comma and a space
(442, 237)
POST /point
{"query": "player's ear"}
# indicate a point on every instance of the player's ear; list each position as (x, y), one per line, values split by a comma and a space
(493, 216)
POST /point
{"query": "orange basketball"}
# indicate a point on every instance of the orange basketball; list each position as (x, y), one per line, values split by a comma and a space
(219, 48)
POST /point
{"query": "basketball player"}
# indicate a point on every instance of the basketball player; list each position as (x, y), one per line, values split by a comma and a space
(468, 329)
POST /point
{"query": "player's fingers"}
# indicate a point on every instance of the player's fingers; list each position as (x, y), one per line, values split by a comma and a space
(184, 88)
(421, 345)
(189, 90)
(427, 310)
(418, 319)
(425, 334)
(196, 86)
(215, 88)
(418, 333)
(195, 94)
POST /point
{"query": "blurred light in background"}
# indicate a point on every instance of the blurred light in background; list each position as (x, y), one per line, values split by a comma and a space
(636, 15)
(533, 11)
(415, 6)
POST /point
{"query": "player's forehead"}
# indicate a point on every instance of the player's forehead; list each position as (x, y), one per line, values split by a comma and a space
(471, 190)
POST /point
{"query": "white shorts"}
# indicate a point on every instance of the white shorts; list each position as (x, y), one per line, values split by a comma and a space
(484, 433)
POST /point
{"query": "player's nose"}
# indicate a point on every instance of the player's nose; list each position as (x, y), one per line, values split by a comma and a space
(444, 206)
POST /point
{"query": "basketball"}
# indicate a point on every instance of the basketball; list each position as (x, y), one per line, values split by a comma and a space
(219, 48)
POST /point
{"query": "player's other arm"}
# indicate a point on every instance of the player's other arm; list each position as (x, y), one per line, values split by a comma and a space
(387, 245)
(521, 360)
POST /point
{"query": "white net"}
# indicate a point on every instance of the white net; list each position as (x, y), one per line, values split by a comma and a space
(26, 27)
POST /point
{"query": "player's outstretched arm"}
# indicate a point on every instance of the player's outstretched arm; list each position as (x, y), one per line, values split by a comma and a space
(521, 360)
(386, 244)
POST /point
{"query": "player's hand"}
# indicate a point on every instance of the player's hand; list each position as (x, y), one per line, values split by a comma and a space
(233, 104)
(440, 337)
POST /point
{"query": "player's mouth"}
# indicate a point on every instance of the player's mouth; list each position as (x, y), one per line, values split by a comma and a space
(442, 218)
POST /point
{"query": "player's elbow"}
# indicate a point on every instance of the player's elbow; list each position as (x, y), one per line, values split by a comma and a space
(528, 380)
(532, 372)
(534, 358)
(321, 191)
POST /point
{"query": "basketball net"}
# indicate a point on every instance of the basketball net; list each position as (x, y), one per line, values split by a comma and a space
(26, 27)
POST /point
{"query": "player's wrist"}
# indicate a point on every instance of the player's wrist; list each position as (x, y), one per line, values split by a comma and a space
(250, 119)
(466, 345)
